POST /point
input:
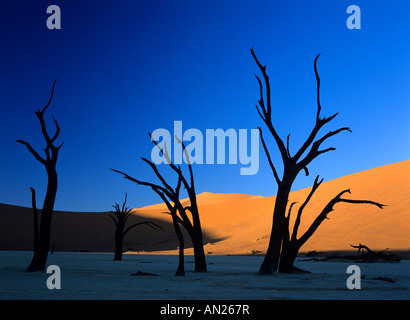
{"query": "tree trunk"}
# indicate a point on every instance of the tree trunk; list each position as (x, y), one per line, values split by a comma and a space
(199, 253)
(118, 249)
(288, 256)
(181, 269)
(119, 239)
(271, 260)
(38, 263)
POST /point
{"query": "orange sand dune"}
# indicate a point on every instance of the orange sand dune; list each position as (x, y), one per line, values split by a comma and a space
(240, 223)
(244, 222)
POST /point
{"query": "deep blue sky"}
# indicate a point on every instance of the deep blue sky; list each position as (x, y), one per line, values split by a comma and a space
(126, 68)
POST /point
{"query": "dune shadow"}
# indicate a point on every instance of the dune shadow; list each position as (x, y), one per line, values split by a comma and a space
(88, 232)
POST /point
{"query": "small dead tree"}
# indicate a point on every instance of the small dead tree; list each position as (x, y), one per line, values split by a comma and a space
(42, 243)
(365, 254)
(179, 212)
(121, 216)
(292, 166)
(173, 208)
(292, 244)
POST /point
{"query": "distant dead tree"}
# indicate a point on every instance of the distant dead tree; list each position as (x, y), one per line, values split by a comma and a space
(279, 247)
(121, 216)
(365, 254)
(177, 210)
(42, 239)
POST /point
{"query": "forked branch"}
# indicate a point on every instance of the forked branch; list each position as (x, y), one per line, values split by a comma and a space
(319, 123)
(267, 109)
(49, 141)
(40, 115)
(328, 208)
(165, 153)
(315, 186)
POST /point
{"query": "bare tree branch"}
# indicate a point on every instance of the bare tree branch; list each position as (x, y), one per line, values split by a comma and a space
(315, 186)
(260, 101)
(267, 110)
(330, 134)
(320, 122)
(51, 97)
(49, 142)
(275, 173)
(190, 188)
(286, 237)
(160, 177)
(257, 109)
(57, 131)
(40, 115)
(290, 209)
(314, 151)
(148, 223)
(164, 151)
(113, 219)
(126, 176)
(328, 208)
(306, 171)
(193, 208)
(32, 151)
(124, 203)
(184, 220)
(319, 107)
(381, 206)
(171, 164)
(287, 146)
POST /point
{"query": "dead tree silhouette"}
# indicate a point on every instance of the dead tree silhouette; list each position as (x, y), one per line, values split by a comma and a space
(292, 166)
(169, 195)
(365, 254)
(121, 216)
(42, 243)
(292, 244)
